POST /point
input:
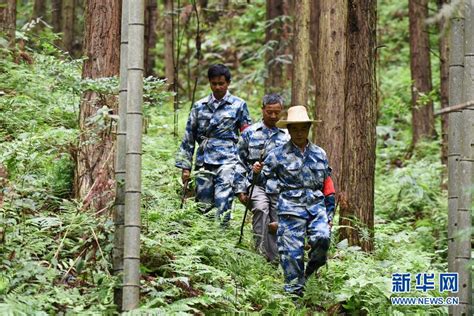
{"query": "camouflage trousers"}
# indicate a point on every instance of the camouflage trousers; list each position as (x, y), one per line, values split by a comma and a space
(214, 188)
(264, 212)
(292, 231)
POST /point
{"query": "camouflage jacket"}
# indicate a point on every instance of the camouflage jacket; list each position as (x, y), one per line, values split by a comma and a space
(255, 141)
(299, 178)
(214, 125)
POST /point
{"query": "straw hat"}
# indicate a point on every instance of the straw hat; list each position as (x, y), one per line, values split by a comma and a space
(296, 114)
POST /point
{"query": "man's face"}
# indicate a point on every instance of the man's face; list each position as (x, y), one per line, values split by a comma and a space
(219, 86)
(299, 133)
(271, 114)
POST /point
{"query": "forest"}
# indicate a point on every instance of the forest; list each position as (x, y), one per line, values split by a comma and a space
(389, 82)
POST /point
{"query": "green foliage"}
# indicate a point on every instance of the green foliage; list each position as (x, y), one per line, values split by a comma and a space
(55, 258)
(52, 259)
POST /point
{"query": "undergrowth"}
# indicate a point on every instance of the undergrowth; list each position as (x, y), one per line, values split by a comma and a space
(56, 255)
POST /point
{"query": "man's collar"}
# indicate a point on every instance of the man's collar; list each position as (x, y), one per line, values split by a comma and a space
(262, 125)
(212, 99)
(297, 149)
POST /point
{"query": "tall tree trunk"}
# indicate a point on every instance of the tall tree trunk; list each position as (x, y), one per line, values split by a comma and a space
(151, 22)
(68, 24)
(120, 160)
(8, 20)
(274, 82)
(356, 198)
(301, 60)
(330, 93)
(169, 43)
(56, 14)
(444, 80)
(39, 9)
(288, 31)
(131, 255)
(456, 78)
(94, 167)
(420, 66)
(466, 173)
(314, 43)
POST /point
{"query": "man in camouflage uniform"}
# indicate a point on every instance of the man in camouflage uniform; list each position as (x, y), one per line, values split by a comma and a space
(257, 140)
(306, 201)
(214, 124)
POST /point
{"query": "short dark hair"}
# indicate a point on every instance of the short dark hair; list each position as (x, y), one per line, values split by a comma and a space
(273, 98)
(218, 70)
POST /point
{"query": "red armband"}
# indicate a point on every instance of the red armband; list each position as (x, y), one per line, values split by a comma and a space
(328, 187)
(244, 127)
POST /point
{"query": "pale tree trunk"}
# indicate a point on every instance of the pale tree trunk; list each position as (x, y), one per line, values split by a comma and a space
(94, 167)
(68, 24)
(56, 14)
(151, 23)
(420, 66)
(288, 31)
(301, 60)
(169, 43)
(356, 198)
(8, 20)
(131, 255)
(314, 43)
(120, 160)
(456, 77)
(39, 9)
(274, 37)
(444, 81)
(466, 173)
(331, 74)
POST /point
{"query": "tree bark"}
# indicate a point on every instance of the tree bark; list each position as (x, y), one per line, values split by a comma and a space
(131, 262)
(169, 43)
(151, 23)
(456, 78)
(356, 198)
(463, 237)
(420, 66)
(120, 160)
(444, 80)
(39, 9)
(314, 42)
(273, 80)
(8, 20)
(56, 14)
(274, 37)
(299, 84)
(68, 14)
(330, 93)
(94, 167)
(288, 31)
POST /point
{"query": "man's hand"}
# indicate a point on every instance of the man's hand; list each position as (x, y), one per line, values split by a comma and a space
(186, 175)
(243, 198)
(330, 224)
(257, 167)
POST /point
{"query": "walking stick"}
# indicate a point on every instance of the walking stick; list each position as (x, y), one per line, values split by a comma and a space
(249, 201)
(185, 191)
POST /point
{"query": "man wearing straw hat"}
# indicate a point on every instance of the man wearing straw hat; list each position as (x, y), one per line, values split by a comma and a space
(306, 199)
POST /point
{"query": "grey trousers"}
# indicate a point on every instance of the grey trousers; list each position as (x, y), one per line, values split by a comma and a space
(264, 212)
